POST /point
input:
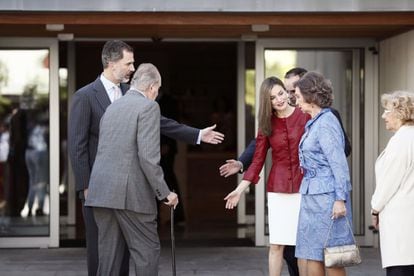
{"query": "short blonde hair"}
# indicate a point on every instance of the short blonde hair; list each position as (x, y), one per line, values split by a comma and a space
(402, 104)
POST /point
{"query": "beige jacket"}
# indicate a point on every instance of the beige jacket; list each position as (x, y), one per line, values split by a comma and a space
(394, 198)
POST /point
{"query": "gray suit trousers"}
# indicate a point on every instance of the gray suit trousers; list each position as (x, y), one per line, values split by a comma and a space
(120, 228)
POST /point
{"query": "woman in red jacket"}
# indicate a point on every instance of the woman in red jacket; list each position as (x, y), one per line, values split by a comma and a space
(280, 128)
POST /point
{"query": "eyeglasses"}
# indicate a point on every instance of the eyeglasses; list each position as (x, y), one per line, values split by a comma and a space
(387, 111)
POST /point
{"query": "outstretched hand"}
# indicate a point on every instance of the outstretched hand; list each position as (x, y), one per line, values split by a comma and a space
(209, 136)
(231, 167)
(232, 199)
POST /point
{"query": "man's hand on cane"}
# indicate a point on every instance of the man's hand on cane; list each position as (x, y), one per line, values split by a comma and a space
(171, 200)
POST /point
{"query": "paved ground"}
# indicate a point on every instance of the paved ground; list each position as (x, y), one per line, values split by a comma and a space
(207, 261)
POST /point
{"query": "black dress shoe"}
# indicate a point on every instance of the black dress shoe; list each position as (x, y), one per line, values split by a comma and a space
(39, 212)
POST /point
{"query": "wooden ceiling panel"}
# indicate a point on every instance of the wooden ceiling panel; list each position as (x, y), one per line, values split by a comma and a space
(213, 31)
(207, 25)
(208, 18)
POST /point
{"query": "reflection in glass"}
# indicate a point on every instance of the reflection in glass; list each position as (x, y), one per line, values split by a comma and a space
(278, 62)
(24, 142)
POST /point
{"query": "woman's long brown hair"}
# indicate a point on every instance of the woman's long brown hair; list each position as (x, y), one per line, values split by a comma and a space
(265, 107)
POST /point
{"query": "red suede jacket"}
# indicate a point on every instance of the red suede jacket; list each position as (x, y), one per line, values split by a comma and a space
(285, 175)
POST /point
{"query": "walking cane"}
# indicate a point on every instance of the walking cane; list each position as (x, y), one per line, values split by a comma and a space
(172, 241)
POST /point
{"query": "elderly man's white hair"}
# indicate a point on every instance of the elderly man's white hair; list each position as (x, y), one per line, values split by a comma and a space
(145, 76)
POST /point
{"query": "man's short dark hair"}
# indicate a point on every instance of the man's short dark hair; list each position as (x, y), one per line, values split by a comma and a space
(113, 50)
(297, 71)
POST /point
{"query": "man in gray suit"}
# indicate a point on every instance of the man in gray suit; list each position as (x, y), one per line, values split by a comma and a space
(88, 105)
(126, 178)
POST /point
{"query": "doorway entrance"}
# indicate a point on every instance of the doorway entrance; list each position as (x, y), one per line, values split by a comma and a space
(210, 82)
(199, 88)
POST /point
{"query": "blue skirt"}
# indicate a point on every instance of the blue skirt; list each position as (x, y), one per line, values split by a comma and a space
(313, 227)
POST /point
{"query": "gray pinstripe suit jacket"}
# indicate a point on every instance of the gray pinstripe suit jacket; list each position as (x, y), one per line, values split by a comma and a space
(88, 105)
(126, 174)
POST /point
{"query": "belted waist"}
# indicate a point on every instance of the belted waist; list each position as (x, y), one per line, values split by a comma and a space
(310, 173)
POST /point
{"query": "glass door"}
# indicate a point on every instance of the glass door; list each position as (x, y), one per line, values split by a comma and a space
(29, 149)
(245, 126)
(344, 62)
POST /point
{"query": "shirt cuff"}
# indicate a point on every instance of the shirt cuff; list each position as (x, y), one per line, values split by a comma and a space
(340, 195)
(199, 137)
(241, 166)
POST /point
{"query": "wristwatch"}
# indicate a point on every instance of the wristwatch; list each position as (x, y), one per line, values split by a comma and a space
(374, 214)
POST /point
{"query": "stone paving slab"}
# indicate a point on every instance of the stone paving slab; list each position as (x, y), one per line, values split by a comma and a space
(200, 261)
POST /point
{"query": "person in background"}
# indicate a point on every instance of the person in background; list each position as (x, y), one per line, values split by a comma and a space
(4, 153)
(393, 200)
(87, 108)
(37, 162)
(18, 176)
(280, 128)
(326, 184)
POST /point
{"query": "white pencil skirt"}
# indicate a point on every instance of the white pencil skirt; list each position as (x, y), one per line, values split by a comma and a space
(283, 215)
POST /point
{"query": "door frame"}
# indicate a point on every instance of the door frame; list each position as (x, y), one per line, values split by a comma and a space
(54, 154)
(369, 132)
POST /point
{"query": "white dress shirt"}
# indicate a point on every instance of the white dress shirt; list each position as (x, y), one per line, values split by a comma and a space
(111, 88)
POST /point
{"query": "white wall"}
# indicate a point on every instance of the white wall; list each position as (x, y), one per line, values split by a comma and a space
(396, 72)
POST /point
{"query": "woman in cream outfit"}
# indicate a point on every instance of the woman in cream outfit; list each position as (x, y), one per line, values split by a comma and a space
(393, 200)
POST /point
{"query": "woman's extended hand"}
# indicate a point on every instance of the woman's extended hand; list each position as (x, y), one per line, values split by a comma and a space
(339, 209)
(232, 199)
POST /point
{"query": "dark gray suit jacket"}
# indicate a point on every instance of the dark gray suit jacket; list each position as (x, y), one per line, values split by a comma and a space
(126, 174)
(88, 105)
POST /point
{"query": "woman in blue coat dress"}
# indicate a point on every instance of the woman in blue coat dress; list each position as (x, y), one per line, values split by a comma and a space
(326, 186)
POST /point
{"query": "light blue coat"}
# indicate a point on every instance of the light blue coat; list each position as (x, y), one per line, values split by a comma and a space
(322, 157)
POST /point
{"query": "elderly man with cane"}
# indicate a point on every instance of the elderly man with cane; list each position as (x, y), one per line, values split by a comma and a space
(126, 178)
